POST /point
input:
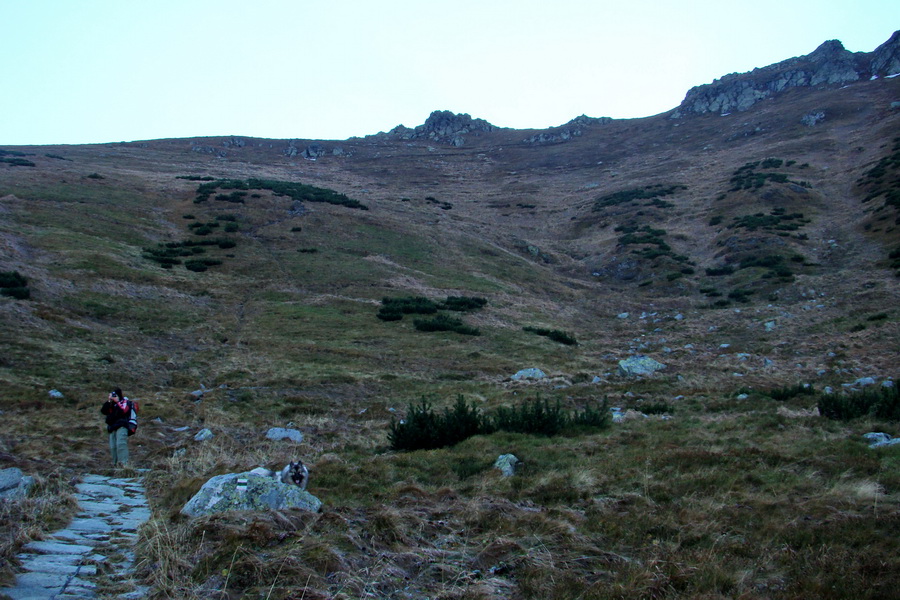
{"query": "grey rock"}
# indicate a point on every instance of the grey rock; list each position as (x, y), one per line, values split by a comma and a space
(616, 414)
(203, 435)
(248, 491)
(639, 366)
(829, 65)
(531, 373)
(56, 395)
(879, 440)
(886, 57)
(507, 463)
(14, 484)
(280, 433)
(623, 315)
(813, 119)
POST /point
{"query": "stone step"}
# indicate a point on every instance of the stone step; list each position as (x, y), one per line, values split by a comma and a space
(111, 511)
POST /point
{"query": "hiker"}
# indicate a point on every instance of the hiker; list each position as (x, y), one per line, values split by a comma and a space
(121, 422)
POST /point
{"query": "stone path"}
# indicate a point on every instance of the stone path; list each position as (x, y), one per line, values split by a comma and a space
(93, 556)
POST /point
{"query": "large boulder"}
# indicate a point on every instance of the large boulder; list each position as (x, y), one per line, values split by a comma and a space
(639, 366)
(13, 484)
(248, 491)
(507, 463)
(879, 439)
(281, 433)
(531, 373)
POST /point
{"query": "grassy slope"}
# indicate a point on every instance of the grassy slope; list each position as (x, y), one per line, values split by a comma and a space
(750, 498)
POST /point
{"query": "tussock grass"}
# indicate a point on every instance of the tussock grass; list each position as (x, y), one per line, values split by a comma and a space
(48, 506)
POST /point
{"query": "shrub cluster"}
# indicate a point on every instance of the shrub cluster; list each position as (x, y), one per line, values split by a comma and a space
(169, 254)
(14, 285)
(634, 235)
(554, 334)
(201, 264)
(393, 309)
(881, 403)
(747, 177)
(445, 323)
(441, 204)
(786, 393)
(425, 429)
(17, 162)
(777, 220)
(296, 191)
(650, 192)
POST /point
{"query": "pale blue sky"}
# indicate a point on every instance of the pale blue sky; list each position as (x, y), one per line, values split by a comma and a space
(84, 71)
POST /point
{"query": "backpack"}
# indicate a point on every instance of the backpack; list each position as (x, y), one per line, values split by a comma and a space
(132, 417)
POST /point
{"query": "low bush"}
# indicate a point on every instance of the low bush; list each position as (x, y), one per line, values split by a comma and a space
(645, 193)
(655, 408)
(720, 271)
(425, 429)
(537, 417)
(14, 285)
(19, 293)
(554, 334)
(786, 393)
(17, 162)
(880, 403)
(12, 279)
(201, 265)
(463, 303)
(445, 323)
(410, 305)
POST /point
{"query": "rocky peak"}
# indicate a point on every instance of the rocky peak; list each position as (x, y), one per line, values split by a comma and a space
(886, 57)
(446, 127)
(829, 64)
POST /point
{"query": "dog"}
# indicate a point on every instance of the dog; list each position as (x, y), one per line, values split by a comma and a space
(294, 473)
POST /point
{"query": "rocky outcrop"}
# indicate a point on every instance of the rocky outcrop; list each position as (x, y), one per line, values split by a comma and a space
(444, 127)
(829, 65)
(569, 131)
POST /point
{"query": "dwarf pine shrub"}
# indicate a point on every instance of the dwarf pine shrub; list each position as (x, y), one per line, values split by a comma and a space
(445, 323)
(554, 334)
(425, 429)
(463, 303)
(14, 285)
(786, 393)
(881, 403)
(537, 417)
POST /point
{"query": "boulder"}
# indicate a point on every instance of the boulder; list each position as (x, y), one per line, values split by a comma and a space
(13, 484)
(56, 395)
(507, 464)
(203, 435)
(639, 366)
(248, 491)
(531, 373)
(280, 433)
(878, 440)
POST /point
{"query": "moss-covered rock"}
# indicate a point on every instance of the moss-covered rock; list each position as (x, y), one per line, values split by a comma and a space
(248, 491)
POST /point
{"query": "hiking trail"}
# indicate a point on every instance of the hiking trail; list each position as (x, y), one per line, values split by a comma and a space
(94, 554)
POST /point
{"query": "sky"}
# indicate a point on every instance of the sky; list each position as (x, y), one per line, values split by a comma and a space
(95, 71)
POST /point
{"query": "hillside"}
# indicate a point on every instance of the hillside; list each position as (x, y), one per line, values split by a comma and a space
(748, 252)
